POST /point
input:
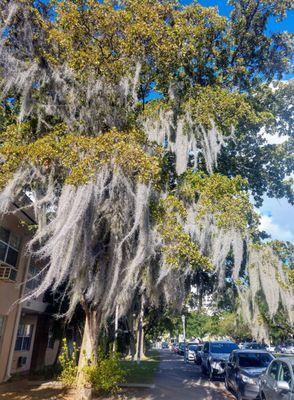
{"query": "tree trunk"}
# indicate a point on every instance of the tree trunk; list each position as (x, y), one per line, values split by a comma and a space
(140, 334)
(132, 346)
(88, 355)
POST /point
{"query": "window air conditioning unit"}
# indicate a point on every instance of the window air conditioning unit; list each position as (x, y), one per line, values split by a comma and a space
(21, 361)
(5, 271)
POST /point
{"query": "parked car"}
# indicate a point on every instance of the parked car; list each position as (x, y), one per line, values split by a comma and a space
(280, 348)
(271, 348)
(289, 348)
(254, 346)
(181, 349)
(164, 345)
(214, 357)
(190, 351)
(175, 347)
(198, 353)
(277, 383)
(243, 371)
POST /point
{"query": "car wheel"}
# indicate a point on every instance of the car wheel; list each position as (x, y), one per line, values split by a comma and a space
(227, 385)
(203, 370)
(210, 372)
(239, 396)
(262, 396)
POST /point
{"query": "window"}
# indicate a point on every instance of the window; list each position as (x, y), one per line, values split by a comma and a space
(254, 346)
(2, 321)
(1, 324)
(285, 374)
(255, 360)
(234, 358)
(9, 249)
(24, 337)
(223, 347)
(34, 278)
(192, 347)
(274, 370)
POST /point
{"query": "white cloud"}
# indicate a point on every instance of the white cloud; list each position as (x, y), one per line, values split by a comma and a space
(276, 231)
(273, 138)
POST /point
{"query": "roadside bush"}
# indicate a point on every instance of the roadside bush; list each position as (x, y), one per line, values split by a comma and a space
(107, 374)
(68, 364)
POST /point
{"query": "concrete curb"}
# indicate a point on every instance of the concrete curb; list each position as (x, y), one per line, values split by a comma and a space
(47, 384)
(137, 385)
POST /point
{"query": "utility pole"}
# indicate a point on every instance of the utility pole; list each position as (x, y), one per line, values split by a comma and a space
(115, 329)
(184, 334)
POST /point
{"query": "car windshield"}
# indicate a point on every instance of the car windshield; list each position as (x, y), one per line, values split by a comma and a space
(223, 347)
(254, 360)
(255, 346)
(192, 347)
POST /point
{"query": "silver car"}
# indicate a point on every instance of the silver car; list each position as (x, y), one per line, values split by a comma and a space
(214, 357)
(277, 383)
(289, 349)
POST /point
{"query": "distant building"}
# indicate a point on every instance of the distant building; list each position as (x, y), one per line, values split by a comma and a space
(25, 340)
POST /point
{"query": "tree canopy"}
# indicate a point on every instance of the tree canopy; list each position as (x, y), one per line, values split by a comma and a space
(135, 128)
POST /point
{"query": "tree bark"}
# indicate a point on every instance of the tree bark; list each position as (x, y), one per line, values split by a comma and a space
(88, 355)
(140, 334)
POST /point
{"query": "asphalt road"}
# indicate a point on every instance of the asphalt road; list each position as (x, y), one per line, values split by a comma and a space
(177, 380)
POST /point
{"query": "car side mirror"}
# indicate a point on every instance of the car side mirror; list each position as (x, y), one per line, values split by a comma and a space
(233, 365)
(283, 386)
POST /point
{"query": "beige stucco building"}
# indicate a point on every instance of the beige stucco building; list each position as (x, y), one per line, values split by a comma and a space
(25, 341)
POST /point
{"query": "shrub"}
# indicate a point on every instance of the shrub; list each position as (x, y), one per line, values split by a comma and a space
(106, 374)
(68, 364)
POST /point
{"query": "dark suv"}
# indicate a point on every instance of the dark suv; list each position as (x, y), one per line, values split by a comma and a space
(243, 371)
(214, 357)
(182, 348)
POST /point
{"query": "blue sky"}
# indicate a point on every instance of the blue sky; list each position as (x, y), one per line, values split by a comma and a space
(224, 9)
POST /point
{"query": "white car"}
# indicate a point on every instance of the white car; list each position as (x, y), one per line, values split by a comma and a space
(277, 383)
(289, 349)
(190, 351)
(271, 348)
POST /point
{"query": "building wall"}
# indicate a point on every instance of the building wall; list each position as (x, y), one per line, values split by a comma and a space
(10, 292)
(51, 354)
(29, 312)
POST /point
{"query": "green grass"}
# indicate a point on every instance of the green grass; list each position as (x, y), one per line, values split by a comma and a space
(141, 373)
(282, 355)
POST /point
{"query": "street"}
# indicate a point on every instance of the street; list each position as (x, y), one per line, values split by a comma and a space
(177, 380)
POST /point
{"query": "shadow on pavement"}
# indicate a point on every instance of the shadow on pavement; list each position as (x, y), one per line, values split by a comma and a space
(177, 380)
